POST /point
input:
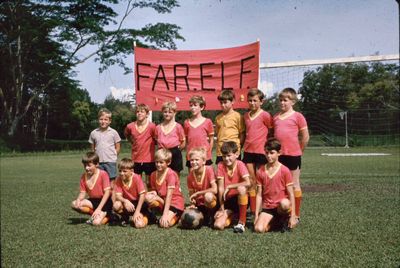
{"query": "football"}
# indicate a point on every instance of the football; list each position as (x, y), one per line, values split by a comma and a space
(192, 218)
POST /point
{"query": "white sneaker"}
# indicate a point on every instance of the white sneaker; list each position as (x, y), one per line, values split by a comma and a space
(239, 228)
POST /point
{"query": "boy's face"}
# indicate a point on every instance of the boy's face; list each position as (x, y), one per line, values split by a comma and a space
(104, 121)
(90, 168)
(195, 108)
(272, 156)
(162, 165)
(286, 104)
(229, 159)
(168, 114)
(254, 103)
(125, 173)
(141, 115)
(226, 105)
(196, 161)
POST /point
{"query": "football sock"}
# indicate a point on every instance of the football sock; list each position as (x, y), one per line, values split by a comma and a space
(298, 196)
(173, 221)
(252, 195)
(87, 210)
(104, 221)
(243, 200)
(211, 205)
(156, 205)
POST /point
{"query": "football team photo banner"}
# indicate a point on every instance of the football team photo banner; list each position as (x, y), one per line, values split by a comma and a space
(177, 75)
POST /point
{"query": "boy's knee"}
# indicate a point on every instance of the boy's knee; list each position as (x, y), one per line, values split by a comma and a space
(284, 205)
(117, 206)
(219, 226)
(259, 229)
(242, 190)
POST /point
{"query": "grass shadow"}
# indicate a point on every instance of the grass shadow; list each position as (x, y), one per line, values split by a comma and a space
(76, 221)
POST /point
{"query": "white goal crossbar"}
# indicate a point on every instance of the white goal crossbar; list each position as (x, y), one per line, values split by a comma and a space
(329, 61)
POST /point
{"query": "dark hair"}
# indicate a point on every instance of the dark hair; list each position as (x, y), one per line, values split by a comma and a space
(229, 147)
(226, 95)
(90, 157)
(255, 92)
(272, 144)
(125, 163)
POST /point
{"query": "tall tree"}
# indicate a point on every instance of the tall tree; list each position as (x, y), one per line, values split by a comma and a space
(52, 34)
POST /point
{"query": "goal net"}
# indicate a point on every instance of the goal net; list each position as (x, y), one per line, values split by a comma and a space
(347, 102)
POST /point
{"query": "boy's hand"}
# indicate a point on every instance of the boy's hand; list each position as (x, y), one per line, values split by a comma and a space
(129, 206)
(193, 198)
(220, 213)
(225, 193)
(164, 221)
(137, 216)
(96, 213)
(293, 221)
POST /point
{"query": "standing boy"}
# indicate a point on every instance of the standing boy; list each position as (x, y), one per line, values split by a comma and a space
(290, 128)
(105, 141)
(275, 198)
(141, 135)
(229, 124)
(257, 123)
(233, 181)
(199, 130)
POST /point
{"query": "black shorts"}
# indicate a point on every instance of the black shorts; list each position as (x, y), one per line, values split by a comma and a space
(209, 162)
(232, 204)
(279, 220)
(291, 162)
(258, 159)
(176, 161)
(147, 168)
(177, 212)
(107, 206)
(219, 159)
(144, 210)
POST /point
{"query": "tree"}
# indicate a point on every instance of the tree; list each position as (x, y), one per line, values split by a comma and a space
(42, 41)
(360, 88)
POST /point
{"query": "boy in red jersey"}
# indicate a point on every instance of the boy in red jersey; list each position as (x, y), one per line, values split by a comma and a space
(199, 130)
(130, 194)
(170, 135)
(290, 128)
(232, 180)
(275, 198)
(201, 184)
(141, 135)
(96, 184)
(165, 191)
(257, 123)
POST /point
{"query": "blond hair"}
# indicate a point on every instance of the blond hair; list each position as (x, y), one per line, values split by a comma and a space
(163, 155)
(141, 107)
(104, 111)
(198, 150)
(170, 105)
(289, 93)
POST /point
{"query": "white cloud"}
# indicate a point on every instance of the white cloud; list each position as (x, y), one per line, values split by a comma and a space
(122, 94)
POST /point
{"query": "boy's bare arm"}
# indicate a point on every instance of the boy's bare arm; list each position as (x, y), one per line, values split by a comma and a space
(304, 137)
(220, 182)
(118, 147)
(93, 147)
(258, 202)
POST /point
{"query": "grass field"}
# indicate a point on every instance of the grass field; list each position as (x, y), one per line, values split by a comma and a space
(350, 218)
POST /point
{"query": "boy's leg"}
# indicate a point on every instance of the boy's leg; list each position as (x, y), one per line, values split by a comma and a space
(85, 207)
(263, 222)
(243, 201)
(298, 195)
(252, 188)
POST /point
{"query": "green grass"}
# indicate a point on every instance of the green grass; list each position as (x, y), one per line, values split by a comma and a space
(350, 218)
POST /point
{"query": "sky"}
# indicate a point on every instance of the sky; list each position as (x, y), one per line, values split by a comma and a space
(287, 31)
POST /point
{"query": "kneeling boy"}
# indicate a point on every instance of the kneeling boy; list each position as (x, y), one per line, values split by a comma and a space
(275, 197)
(233, 181)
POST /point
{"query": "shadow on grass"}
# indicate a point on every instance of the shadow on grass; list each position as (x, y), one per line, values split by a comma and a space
(76, 221)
